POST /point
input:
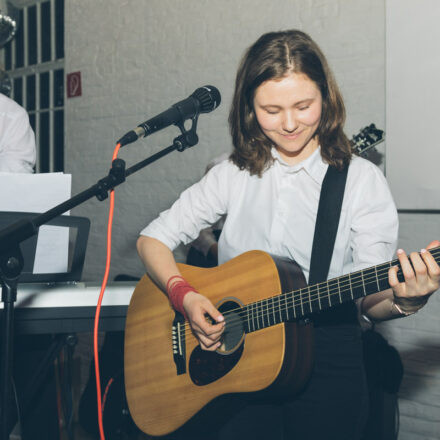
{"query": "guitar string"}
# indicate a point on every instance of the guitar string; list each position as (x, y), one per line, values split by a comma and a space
(312, 292)
(289, 300)
(309, 296)
(268, 313)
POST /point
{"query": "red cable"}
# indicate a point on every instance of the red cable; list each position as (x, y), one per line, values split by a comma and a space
(107, 389)
(98, 307)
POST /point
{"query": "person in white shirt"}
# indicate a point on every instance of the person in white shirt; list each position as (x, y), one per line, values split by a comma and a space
(17, 139)
(286, 121)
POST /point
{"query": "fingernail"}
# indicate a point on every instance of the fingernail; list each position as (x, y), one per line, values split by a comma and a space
(220, 318)
(423, 251)
(400, 251)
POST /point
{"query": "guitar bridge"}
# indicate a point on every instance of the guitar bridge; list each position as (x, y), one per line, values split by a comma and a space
(178, 338)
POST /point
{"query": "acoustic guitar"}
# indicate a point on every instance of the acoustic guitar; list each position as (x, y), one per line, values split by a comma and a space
(267, 344)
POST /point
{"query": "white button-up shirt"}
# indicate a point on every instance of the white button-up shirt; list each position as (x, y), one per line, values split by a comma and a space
(277, 212)
(17, 139)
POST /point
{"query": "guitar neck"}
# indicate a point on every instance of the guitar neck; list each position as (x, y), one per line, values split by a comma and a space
(322, 296)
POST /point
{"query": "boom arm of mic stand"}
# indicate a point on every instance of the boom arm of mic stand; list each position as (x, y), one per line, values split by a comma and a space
(11, 259)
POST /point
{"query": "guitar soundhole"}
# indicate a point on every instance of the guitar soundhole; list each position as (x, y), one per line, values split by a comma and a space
(206, 367)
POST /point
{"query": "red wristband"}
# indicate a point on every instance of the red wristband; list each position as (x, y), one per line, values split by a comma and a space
(177, 291)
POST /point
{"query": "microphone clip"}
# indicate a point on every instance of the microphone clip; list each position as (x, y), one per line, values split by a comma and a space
(188, 138)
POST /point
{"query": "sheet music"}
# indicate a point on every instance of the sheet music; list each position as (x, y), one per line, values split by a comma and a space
(39, 193)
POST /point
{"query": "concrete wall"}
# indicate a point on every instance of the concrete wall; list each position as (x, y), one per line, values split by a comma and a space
(139, 57)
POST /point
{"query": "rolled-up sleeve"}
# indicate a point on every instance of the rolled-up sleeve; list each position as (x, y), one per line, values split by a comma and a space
(198, 207)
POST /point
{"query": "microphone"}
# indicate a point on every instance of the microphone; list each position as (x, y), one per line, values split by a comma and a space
(204, 100)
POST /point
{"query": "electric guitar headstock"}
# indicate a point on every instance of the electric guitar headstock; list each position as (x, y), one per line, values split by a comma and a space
(366, 139)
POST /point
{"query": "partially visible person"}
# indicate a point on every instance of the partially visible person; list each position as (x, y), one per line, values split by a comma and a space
(17, 139)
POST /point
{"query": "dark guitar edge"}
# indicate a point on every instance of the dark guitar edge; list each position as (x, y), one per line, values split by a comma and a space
(298, 354)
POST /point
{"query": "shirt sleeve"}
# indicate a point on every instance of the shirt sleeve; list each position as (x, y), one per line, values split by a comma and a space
(375, 224)
(17, 145)
(198, 207)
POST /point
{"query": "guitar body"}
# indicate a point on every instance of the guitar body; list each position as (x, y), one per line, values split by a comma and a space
(274, 360)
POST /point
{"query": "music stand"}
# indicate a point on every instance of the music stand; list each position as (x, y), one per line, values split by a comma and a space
(77, 252)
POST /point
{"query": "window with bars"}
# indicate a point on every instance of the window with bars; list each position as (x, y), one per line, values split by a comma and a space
(34, 59)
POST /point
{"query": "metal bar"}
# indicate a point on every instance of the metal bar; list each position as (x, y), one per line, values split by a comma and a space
(39, 30)
(36, 68)
(52, 30)
(25, 36)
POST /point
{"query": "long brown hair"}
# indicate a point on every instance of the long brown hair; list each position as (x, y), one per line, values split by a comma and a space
(273, 56)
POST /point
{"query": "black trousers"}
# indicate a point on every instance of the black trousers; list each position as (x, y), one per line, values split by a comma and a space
(333, 405)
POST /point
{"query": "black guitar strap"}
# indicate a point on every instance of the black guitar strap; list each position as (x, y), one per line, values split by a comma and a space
(326, 227)
(327, 221)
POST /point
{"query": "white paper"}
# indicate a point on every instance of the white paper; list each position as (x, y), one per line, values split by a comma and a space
(38, 193)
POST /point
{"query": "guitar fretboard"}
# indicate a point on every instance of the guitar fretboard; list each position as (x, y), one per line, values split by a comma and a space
(319, 297)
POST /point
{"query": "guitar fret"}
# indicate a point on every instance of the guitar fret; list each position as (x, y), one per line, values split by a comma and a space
(325, 296)
(339, 292)
(319, 297)
(351, 287)
(293, 300)
(302, 307)
(251, 318)
(333, 286)
(325, 299)
(363, 282)
(259, 317)
(345, 288)
(329, 295)
(263, 312)
(273, 311)
(266, 313)
(270, 311)
(279, 305)
(377, 279)
(287, 308)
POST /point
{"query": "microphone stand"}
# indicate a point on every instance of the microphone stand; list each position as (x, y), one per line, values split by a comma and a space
(11, 258)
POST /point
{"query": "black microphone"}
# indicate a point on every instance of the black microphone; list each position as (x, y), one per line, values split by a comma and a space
(204, 100)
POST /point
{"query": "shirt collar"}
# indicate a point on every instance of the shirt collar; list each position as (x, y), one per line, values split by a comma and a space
(314, 165)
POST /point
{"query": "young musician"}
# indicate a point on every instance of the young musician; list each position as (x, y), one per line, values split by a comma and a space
(286, 121)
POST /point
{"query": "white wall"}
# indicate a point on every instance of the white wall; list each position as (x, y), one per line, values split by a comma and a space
(413, 93)
(139, 57)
